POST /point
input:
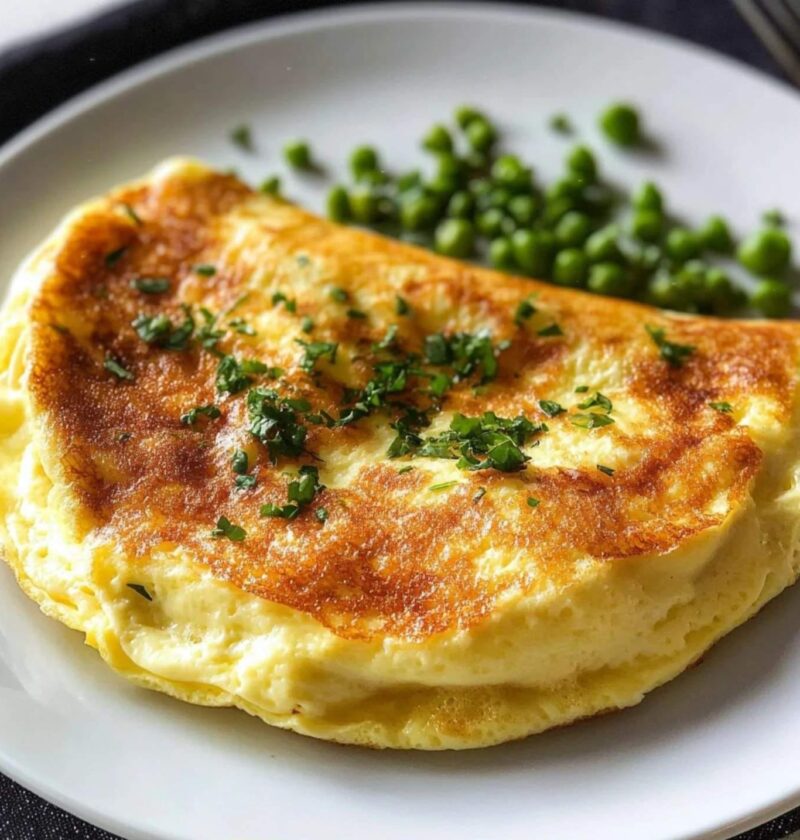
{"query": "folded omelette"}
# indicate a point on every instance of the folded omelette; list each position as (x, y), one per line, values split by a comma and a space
(370, 494)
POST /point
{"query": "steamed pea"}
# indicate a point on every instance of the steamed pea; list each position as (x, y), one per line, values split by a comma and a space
(569, 268)
(620, 123)
(772, 298)
(455, 238)
(766, 251)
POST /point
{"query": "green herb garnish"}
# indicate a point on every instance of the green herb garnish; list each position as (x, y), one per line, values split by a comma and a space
(139, 589)
(307, 324)
(151, 285)
(193, 414)
(131, 214)
(581, 389)
(301, 493)
(234, 375)
(599, 401)
(552, 329)
(280, 297)
(357, 314)
(591, 421)
(113, 257)
(339, 295)
(205, 270)
(442, 485)
(524, 311)
(533, 502)
(550, 408)
(322, 514)
(724, 407)
(113, 366)
(315, 350)
(675, 354)
(401, 307)
(481, 492)
(241, 326)
(242, 137)
(161, 332)
(404, 470)
(225, 528)
(276, 422)
(606, 470)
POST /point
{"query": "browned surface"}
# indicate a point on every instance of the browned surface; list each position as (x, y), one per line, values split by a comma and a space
(384, 562)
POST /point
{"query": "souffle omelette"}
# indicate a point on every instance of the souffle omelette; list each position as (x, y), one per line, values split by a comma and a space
(374, 495)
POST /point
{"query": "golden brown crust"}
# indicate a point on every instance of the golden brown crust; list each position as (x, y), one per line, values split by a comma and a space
(384, 563)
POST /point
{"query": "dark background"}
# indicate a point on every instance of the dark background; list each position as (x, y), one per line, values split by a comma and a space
(37, 76)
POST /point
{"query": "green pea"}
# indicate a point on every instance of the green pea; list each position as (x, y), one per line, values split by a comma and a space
(681, 244)
(271, 185)
(490, 222)
(603, 245)
(648, 258)
(418, 211)
(569, 268)
(363, 159)
(663, 292)
(465, 114)
(573, 228)
(480, 135)
(766, 251)
(442, 186)
(647, 225)
(580, 161)
(363, 205)
(501, 253)
(338, 204)
(449, 167)
(715, 235)
(608, 278)
(374, 178)
(461, 205)
(620, 123)
(523, 208)
(570, 186)
(438, 139)
(772, 298)
(479, 186)
(494, 197)
(691, 281)
(509, 171)
(455, 238)
(533, 251)
(721, 292)
(408, 181)
(297, 154)
(648, 197)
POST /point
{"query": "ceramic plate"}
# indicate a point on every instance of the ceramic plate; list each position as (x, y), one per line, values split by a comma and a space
(714, 752)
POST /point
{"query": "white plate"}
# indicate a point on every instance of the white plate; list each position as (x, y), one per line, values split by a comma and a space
(716, 751)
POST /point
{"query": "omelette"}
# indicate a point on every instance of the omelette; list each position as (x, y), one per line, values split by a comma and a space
(370, 494)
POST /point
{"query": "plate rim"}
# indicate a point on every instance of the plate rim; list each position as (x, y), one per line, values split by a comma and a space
(287, 24)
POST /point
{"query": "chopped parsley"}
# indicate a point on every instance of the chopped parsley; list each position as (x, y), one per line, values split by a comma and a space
(591, 421)
(234, 375)
(132, 214)
(479, 494)
(533, 502)
(208, 335)
(606, 470)
(551, 329)
(275, 422)
(225, 528)
(401, 306)
(388, 341)
(139, 589)
(113, 257)
(405, 469)
(581, 389)
(301, 493)
(465, 353)
(241, 326)
(550, 408)
(240, 464)
(193, 414)
(307, 324)
(151, 285)
(485, 442)
(724, 407)
(443, 485)
(161, 332)
(675, 354)
(315, 350)
(113, 366)
(597, 401)
(289, 303)
(339, 295)
(357, 314)
(322, 514)
(205, 270)
(523, 312)
(242, 137)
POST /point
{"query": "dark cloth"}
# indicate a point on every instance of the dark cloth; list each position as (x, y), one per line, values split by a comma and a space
(37, 76)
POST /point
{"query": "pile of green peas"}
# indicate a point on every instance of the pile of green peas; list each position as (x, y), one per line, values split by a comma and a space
(483, 203)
